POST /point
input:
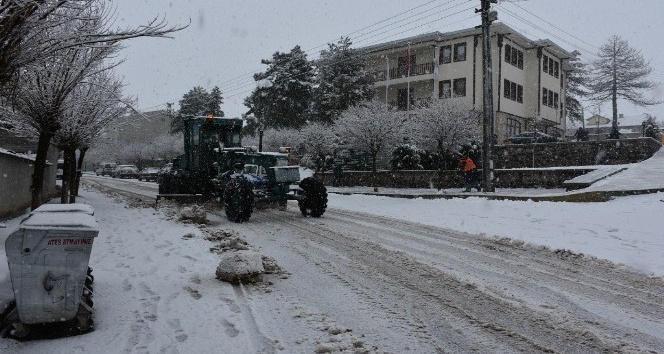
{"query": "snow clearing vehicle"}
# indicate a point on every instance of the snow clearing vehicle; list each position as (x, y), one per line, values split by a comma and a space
(215, 165)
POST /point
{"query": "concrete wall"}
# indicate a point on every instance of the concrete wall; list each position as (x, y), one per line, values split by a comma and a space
(15, 180)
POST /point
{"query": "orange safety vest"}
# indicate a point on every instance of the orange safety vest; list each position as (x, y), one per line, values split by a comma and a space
(469, 166)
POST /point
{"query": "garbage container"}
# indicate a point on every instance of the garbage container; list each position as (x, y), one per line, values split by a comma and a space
(48, 259)
(65, 208)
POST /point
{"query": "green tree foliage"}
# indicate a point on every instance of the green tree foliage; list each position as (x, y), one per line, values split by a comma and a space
(342, 81)
(620, 72)
(284, 91)
(197, 102)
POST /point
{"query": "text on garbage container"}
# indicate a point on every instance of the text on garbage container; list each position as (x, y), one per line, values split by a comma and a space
(69, 241)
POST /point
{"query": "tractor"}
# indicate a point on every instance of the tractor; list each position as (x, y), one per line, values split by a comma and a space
(215, 165)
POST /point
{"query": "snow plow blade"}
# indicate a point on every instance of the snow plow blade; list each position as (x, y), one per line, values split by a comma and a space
(181, 198)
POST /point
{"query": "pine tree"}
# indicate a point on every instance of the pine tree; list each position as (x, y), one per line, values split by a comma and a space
(620, 72)
(197, 102)
(577, 80)
(283, 93)
(342, 81)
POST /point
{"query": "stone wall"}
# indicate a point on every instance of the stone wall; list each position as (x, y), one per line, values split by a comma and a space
(583, 153)
(519, 166)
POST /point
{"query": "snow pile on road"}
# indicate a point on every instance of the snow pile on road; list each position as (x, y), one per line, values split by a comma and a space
(240, 267)
(194, 214)
(239, 263)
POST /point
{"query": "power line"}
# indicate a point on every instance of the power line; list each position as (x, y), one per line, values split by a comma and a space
(229, 88)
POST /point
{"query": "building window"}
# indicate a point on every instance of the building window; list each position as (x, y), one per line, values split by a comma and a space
(512, 127)
(446, 54)
(460, 52)
(550, 66)
(513, 91)
(445, 89)
(460, 87)
(550, 98)
(513, 56)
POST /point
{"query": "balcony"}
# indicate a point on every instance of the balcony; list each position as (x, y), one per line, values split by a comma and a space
(402, 71)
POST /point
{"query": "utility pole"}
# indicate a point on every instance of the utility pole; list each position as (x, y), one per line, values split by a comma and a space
(488, 16)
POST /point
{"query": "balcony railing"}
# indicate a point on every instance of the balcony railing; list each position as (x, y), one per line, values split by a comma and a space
(402, 71)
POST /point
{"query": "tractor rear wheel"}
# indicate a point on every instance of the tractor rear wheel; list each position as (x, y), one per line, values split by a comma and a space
(238, 200)
(315, 197)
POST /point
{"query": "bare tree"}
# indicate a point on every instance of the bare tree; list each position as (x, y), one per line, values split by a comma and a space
(25, 24)
(445, 125)
(370, 127)
(620, 72)
(42, 95)
(95, 103)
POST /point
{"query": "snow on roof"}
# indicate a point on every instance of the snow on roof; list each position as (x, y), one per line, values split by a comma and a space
(623, 121)
(21, 156)
(60, 220)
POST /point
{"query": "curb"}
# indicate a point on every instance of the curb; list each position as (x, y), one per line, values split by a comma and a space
(581, 197)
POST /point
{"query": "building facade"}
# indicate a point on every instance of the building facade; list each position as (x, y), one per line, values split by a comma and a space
(529, 77)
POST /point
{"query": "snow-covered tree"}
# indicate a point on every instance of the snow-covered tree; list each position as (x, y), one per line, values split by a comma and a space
(407, 156)
(577, 80)
(317, 140)
(371, 127)
(43, 95)
(91, 106)
(445, 125)
(283, 93)
(342, 81)
(197, 102)
(25, 27)
(620, 72)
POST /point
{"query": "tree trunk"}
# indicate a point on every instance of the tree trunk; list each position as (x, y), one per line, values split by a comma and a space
(37, 187)
(79, 173)
(68, 173)
(614, 91)
(374, 176)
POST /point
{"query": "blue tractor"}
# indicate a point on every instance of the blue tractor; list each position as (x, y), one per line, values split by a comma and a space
(216, 166)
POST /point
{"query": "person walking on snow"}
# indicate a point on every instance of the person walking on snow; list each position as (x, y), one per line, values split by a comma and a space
(469, 171)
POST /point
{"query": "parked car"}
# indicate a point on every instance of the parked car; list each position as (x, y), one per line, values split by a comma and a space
(530, 138)
(126, 171)
(106, 169)
(148, 174)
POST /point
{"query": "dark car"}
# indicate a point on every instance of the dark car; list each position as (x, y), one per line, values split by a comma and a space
(126, 171)
(530, 138)
(148, 174)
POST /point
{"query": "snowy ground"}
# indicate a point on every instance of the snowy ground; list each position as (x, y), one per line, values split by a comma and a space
(156, 292)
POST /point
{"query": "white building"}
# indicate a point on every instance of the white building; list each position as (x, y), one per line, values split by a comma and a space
(528, 76)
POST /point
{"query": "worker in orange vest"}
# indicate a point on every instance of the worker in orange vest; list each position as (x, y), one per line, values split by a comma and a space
(470, 173)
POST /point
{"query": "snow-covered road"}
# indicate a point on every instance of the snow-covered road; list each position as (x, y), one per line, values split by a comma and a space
(351, 282)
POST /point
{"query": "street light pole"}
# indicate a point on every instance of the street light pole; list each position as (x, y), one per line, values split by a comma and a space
(487, 129)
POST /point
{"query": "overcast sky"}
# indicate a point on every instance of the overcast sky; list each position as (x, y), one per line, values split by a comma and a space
(227, 39)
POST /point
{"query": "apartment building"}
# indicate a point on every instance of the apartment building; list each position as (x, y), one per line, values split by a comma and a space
(528, 76)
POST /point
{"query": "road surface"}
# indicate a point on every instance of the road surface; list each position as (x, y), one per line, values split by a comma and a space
(409, 288)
